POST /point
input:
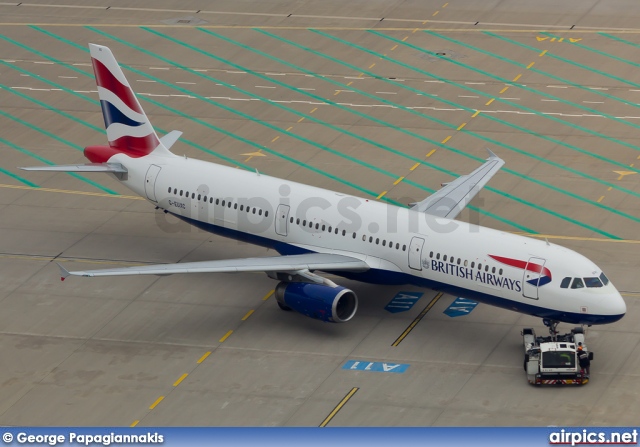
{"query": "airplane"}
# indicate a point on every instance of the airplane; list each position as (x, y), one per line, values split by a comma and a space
(316, 230)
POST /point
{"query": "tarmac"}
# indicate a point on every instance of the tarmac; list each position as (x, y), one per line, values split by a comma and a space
(384, 100)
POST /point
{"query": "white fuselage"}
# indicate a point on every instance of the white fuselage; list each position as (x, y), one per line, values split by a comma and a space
(400, 245)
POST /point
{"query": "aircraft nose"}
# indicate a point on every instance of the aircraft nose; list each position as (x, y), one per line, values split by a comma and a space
(617, 304)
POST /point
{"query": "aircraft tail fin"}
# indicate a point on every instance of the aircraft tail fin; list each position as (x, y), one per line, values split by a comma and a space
(129, 131)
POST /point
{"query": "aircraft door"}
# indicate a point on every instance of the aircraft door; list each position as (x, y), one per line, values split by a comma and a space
(415, 253)
(532, 276)
(282, 219)
(150, 182)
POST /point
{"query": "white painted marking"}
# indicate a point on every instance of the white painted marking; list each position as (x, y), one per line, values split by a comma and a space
(598, 88)
(236, 72)
(43, 62)
(465, 96)
(557, 86)
(68, 77)
(594, 102)
(475, 83)
(22, 74)
(82, 65)
(437, 82)
(275, 74)
(183, 82)
(387, 367)
(303, 88)
(199, 69)
(264, 86)
(144, 80)
(386, 93)
(351, 77)
(513, 99)
(549, 100)
(158, 68)
(8, 60)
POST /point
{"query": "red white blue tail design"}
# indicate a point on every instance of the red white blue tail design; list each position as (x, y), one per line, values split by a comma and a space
(128, 128)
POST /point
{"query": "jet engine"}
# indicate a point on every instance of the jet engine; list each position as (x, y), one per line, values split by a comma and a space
(331, 304)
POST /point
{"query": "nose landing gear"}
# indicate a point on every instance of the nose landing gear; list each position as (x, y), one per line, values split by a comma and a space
(553, 327)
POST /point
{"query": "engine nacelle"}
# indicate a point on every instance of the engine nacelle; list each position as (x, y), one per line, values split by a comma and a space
(331, 304)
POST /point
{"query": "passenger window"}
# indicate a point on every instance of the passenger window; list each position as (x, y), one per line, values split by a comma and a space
(344, 232)
(193, 195)
(565, 282)
(253, 211)
(324, 227)
(169, 190)
(337, 230)
(291, 220)
(473, 264)
(466, 262)
(181, 193)
(223, 202)
(493, 270)
(217, 201)
(479, 266)
(604, 279)
(329, 229)
(458, 261)
(229, 204)
(354, 235)
(431, 254)
(592, 282)
(437, 255)
(370, 239)
(304, 223)
(364, 238)
(577, 283)
(241, 207)
(317, 226)
(444, 258)
(210, 199)
(397, 246)
(235, 206)
(404, 248)
(199, 196)
(259, 212)
(266, 214)
(486, 268)
(384, 243)
(500, 272)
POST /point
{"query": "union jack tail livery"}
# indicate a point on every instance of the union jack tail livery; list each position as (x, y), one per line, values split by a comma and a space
(128, 128)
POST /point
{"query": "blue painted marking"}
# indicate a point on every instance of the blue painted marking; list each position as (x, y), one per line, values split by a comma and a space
(402, 302)
(360, 365)
(460, 307)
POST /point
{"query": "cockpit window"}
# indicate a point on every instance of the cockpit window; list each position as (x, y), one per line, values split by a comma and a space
(577, 283)
(604, 279)
(592, 282)
(565, 283)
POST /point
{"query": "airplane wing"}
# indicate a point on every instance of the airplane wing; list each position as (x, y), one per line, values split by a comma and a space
(88, 167)
(293, 263)
(456, 195)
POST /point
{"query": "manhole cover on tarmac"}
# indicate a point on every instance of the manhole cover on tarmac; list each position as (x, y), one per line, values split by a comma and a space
(437, 55)
(185, 21)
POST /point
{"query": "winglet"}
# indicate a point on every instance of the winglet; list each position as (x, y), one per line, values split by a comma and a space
(63, 271)
(491, 154)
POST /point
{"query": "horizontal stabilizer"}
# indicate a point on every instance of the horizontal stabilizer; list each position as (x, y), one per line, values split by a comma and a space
(89, 167)
(292, 263)
(169, 139)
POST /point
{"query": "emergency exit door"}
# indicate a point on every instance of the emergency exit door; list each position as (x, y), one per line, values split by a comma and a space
(282, 220)
(150, 182)
(415, 253)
